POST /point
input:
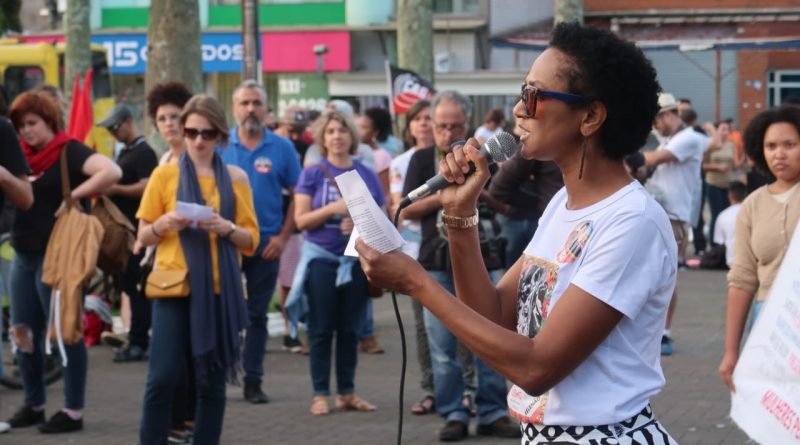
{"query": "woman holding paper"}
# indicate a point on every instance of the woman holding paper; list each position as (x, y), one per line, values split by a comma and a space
(333, 285)
(765, 224)
(197, 276)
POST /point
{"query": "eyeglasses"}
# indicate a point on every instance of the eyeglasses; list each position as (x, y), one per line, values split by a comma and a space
(531, 95)
(206, 134)
(452, 128)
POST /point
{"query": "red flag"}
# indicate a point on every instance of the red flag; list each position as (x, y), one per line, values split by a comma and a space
(81, 118)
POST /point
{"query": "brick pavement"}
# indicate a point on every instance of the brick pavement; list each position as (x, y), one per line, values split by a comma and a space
(693, 405)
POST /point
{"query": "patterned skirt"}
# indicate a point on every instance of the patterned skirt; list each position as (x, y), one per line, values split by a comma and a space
(641, 429)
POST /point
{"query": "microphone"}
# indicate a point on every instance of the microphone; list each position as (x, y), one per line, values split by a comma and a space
(500, 147)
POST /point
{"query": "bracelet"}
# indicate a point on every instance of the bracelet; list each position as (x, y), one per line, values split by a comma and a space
(153, 229)
(460, 222)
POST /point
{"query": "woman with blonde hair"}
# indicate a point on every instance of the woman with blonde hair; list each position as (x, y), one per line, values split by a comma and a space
(332, 284)
(205, 256)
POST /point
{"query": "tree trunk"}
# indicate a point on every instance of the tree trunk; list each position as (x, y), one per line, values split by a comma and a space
(78, 54)
(250, 39)
(568, 11)
(415, 36)
(173, 48)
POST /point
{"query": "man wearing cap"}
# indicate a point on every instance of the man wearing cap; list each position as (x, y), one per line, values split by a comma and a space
(271, 164)
(136, 160)
(675, 183)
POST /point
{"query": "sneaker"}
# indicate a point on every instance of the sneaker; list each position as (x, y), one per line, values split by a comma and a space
(253, 392)
(502, 427)
(370, 345)
(115, 340)
(130, 353)
(4, 427)
(453, 431)
(292, 344)
(61, 422)
(26, 416)
(666, 345)
(179, 437)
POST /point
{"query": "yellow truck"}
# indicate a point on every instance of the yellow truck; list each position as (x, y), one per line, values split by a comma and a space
(24, 66)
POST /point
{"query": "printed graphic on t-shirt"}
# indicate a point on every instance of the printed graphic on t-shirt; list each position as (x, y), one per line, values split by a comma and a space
(536, 285)
(575, 243)
(330, 194)
(263, 165)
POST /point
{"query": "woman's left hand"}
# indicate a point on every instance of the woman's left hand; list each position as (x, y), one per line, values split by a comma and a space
(215, 224)
(346, 226)
(393, 270)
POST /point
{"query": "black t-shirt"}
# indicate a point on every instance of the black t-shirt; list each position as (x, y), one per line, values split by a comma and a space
(32, 227)
(136, 161)
(420, 168)
(526, 185)
(11, 156)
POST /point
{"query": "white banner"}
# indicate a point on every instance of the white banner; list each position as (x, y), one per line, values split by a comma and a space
(766, 404)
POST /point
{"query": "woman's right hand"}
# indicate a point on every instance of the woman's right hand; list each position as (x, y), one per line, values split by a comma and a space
(461, 198)
(726, 368)
(171, 222)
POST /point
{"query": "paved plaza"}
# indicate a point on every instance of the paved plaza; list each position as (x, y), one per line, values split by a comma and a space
(693, 406)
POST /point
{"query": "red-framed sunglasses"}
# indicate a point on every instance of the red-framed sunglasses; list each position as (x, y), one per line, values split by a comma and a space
(531, 94)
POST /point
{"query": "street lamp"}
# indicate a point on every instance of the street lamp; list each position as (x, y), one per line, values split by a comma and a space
(320, 51)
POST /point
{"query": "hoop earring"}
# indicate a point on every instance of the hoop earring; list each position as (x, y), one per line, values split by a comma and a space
(583, 157)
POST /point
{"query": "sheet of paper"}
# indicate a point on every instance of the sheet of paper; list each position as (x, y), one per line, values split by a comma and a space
(193, 211)
(371, 223)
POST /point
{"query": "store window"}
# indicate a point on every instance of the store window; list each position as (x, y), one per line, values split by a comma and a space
(782, 84)
(456, 6)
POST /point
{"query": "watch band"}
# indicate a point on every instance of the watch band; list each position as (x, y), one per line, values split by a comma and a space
(233, 229)
(460, 222)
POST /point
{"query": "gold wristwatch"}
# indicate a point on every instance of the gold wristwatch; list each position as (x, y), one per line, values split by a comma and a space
(233, 229)
(460, 222)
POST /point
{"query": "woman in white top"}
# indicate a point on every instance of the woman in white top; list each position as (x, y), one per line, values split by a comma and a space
(576, 322)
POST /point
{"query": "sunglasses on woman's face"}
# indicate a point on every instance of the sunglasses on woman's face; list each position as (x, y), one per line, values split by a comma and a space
(207, 134)
(531, 95)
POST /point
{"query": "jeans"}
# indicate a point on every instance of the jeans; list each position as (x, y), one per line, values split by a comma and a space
(367, 326)
(141, 310)
(30, 307)
(261, 277)
(717, 202)
(518, 232)
(423, 351)
(339, 310)
(171, 342)
(448, 380)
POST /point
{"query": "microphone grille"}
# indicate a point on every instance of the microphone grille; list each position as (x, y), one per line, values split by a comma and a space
(501, 147)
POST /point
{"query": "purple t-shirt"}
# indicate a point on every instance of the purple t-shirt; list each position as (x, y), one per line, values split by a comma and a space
(314, 183)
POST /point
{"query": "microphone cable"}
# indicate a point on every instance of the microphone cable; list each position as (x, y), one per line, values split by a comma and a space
(403, 351)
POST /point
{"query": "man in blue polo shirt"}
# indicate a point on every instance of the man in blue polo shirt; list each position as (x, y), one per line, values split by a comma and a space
(271, 164)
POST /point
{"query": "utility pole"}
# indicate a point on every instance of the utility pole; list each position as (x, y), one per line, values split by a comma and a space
(415, 36)
(173, 48)
(78, 54)
(250, 39)
(568, 11)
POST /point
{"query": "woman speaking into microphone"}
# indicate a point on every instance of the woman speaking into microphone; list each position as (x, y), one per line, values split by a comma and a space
(575, 324)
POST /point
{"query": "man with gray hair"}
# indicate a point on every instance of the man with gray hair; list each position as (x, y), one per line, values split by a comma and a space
(451, 111)
(271, 164)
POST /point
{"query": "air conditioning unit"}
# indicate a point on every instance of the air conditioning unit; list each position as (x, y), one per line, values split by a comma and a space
(443, 62)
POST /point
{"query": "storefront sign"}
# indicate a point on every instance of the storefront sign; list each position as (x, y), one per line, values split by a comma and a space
(309, 91)
(283, 52)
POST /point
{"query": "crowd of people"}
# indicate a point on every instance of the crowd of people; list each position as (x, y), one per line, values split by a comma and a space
(485, 262)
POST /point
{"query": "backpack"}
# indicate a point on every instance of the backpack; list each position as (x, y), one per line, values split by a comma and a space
(117, 244)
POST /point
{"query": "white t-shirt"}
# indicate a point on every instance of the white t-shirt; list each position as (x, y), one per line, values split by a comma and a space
(621, 251)
(677, 185)
(412, 230)
(725, 230)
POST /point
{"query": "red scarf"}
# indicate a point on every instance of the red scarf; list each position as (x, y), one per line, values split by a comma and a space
(41, 161)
